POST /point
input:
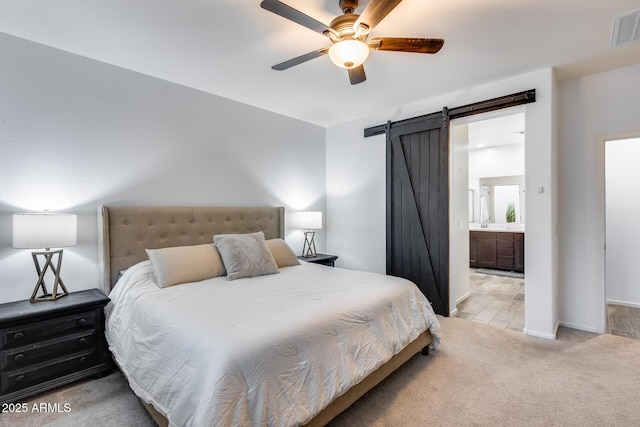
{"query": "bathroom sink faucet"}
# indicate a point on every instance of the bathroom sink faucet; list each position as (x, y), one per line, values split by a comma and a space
(484, 223)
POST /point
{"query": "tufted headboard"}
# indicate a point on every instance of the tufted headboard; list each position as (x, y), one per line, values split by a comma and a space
(124, 232)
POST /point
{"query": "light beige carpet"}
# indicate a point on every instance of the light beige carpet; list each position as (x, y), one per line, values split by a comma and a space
(487, 376)
(480, 376)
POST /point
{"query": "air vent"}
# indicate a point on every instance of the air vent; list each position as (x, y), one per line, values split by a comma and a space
(626, 28)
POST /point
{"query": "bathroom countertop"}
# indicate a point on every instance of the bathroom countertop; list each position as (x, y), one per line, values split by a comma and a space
(496, 229)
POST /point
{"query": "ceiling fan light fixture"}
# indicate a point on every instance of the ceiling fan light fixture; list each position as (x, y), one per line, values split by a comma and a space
(349, 53)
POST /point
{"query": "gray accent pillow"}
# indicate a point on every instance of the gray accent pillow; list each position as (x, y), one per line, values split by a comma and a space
(245, 255)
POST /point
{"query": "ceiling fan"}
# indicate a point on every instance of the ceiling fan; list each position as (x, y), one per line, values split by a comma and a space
(349, 35)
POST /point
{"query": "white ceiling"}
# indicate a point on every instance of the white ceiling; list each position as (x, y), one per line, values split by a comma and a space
(226, 47)
(492, 132)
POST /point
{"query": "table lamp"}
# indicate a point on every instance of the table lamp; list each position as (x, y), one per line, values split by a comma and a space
(45, 231)
(309, 221)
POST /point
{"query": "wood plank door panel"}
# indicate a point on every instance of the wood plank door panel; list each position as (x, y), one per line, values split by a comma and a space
(418, 206)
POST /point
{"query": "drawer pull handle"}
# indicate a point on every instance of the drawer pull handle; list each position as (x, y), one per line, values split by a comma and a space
(82, 321)
(20, 379)
(18, 357)
(18, 335)
(82, 341)
(83, 359)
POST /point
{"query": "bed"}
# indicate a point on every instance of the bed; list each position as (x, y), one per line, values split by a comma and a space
(292, 348)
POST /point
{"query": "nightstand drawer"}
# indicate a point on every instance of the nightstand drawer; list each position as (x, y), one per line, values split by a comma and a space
(46, 345)
(34, 374)
(22, 356)
(25, 334)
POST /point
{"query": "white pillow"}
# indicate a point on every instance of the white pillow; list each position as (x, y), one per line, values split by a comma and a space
(245, 255)
(282, 253)
(183, 264)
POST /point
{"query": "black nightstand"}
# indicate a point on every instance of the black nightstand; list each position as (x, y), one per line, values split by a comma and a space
(324, 259)
(45, 345)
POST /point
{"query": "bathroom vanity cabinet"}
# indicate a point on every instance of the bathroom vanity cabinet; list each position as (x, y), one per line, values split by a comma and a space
(503, 250)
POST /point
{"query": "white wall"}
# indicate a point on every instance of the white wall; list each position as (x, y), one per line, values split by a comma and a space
(622, 227)
(459, 285)
(503, 160)
(356, 189)
(592, 109)
(76, 133)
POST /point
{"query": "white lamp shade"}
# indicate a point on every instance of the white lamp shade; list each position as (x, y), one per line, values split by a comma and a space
(349, 53)
(44, 230)
(309, 220)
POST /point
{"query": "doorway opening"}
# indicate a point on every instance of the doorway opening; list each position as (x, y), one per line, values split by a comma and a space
(488, 215)
(622, 232)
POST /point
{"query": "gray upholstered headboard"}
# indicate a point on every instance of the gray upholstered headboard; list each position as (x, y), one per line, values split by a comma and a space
(124, 232)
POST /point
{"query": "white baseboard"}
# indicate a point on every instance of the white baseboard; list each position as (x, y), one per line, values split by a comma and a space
(581, 327)
(616, 302)
(454, 312)
(544, 335)
(463, 298)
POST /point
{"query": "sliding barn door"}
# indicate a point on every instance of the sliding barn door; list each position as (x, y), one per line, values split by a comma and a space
(418, 205)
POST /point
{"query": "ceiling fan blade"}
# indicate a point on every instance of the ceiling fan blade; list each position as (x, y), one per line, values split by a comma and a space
(300, 59)
(375, 12)
(294, 15)
(406, 44)
(357, 75)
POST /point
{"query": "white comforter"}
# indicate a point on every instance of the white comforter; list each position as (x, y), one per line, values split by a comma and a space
(272, 350)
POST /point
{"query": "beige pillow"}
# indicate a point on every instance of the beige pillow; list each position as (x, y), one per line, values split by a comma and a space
(245, 255)
(282, 253)
(183, 264)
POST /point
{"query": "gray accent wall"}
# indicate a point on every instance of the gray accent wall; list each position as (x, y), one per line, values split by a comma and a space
(77, 133)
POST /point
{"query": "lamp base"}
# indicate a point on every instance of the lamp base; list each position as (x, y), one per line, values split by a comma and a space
(55, 269)
(49, 297)
(309, 248)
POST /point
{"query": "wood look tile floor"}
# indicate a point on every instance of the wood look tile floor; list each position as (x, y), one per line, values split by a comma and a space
(499, 301)
(623, 320)
(495, 300)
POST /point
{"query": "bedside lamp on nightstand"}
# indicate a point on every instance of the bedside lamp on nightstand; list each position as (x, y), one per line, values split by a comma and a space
(309, 221)
(44, 231)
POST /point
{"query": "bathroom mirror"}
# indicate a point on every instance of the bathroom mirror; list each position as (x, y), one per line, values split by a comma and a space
(496, 194)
